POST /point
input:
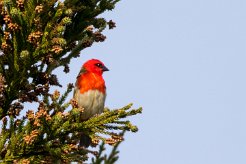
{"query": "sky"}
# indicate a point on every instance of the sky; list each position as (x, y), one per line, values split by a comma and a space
(184, 63)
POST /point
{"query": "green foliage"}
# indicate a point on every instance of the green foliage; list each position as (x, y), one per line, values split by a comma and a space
(104, 158)
(36, 37)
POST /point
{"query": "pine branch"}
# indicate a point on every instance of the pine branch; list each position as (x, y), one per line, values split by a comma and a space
(104, 158)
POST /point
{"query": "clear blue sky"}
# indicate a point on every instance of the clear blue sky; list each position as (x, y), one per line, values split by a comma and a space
(184, 62)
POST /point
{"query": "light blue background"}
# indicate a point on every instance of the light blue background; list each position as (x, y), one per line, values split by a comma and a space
(184, 62)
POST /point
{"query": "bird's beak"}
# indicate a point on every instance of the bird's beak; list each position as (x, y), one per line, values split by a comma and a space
(105, 69)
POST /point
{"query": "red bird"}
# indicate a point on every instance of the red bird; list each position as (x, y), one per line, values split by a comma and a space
(90, 91)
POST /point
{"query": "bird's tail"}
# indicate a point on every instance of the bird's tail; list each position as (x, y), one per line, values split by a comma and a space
(85, 140)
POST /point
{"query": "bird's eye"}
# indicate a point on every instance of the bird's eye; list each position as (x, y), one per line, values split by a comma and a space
(99, 65)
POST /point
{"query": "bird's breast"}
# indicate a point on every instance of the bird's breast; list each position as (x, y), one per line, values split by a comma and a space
(91, 81)
(92, 101)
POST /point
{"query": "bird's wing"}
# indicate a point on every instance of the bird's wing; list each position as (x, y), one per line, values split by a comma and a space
(83, 70)
(80, 73)
(76, 88)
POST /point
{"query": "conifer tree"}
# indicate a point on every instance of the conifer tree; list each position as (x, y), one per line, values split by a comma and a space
(36, 38)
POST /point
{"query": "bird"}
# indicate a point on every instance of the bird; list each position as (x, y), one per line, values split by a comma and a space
(90, 92)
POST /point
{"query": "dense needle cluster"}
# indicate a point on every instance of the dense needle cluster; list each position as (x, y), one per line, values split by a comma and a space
(37, 37)
(2, 90)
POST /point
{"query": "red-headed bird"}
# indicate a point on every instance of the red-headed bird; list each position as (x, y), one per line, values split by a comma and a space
(90, 92)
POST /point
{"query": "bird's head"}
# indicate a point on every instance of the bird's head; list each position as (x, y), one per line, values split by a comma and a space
(95, 66)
